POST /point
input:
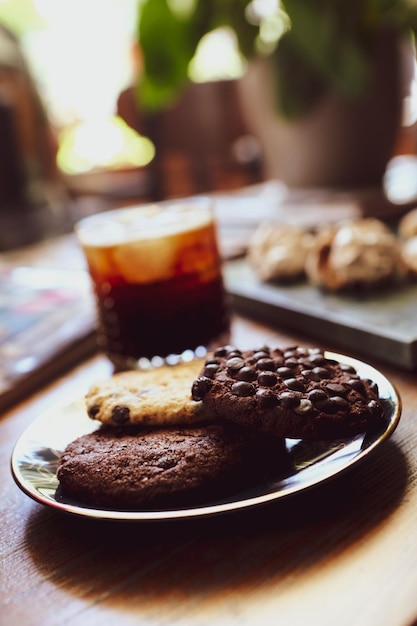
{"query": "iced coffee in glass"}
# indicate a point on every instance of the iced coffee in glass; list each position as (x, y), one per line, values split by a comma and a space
(156, 272)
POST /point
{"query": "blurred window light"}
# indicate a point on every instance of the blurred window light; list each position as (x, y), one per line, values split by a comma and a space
(217, 57)
(271, 29)
(181, 7)
(400, 179)
(261, 9)
(272, 20)
(79, 52)
(103, 142)
(410, 101)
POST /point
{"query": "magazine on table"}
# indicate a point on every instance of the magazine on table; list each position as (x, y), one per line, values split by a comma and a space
(47, 322)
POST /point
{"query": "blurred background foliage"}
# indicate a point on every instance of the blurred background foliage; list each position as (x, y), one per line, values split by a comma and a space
(84, 53)
(313, 45)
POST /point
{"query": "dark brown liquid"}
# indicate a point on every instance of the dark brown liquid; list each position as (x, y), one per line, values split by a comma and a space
(160, 294)
(161, 318)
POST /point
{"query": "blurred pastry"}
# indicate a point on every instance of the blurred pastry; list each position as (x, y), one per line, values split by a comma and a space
(407, 234)
(354, 254)
(407, 226)
(277, 252)
(409, 255)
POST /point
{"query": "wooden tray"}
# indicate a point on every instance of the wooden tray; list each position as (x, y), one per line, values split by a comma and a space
(381, 325)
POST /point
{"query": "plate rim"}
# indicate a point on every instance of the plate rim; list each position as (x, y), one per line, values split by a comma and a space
(209, 509)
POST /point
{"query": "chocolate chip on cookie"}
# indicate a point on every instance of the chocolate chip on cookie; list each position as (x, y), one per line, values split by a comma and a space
(294, 392)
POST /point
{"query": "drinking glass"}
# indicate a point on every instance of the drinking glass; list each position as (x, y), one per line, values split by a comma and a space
(157, 277)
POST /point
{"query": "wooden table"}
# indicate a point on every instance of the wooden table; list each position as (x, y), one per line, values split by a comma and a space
(344, 553)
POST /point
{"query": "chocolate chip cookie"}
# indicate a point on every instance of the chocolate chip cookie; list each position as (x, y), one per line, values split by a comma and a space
(140, 468)
(295, 392)
(157, 397)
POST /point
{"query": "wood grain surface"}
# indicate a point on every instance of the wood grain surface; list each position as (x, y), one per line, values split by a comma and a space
(344, 553)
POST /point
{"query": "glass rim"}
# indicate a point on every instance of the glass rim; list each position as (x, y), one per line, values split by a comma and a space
(123, 224)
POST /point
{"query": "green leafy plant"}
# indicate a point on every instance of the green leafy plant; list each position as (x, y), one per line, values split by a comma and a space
(313, 45)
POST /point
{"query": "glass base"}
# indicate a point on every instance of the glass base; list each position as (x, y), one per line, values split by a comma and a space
(123, 363)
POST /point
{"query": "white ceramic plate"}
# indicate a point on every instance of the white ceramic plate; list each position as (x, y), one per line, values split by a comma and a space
(36, 454)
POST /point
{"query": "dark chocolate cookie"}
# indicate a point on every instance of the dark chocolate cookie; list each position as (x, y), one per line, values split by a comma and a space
(134, 468)
(294, 392)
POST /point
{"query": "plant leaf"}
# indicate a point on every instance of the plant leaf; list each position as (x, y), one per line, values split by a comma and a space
(298, 86)
(167, 43)
(331, 37)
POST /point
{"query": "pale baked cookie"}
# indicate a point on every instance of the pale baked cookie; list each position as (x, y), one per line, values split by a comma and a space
(278, 251)
(157, 397)
(295, 392)
(354, 254)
